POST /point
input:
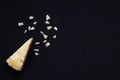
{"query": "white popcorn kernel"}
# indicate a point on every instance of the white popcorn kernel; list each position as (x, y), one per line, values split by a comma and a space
(41, 32)
(55, 28)
(36, 53)
(35, 22)
(29, 28)
(32, 28)
(31, 17)
(25, 31)
(47, 17)
(54, 36)
(49, 27)
(36, 50)
(20, 24)
(37, 43)
(47, 22)
(47, 44)
(44, 41)
(45, 36)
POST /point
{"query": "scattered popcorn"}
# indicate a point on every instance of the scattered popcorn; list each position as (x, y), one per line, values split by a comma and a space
(25, 31)
(37, 43)
(44, 41)
(54, 36)
(35, 22)
(36, 49)
(36, 53)
(49, 27)
(55, 28)
(47, 22)
(20, 24)
(47, 44)
(45, 36)
(31, 17)
(47, 17)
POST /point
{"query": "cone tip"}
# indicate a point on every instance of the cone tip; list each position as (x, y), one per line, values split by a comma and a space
(31, 38)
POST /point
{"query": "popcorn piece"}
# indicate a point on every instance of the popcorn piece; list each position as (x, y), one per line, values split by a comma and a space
(44, 41)
(20, 24)
(47, 17)
(41, 32)
(25, 31)
(49, 27)
(54, 36)
(32, 28)
(47, 22)
(47, 44)
(29, 28)
(44, 35)
(36, 49)
(37, 43)
(55, 28)
(31, 17)
(35, 22)
(36, 53)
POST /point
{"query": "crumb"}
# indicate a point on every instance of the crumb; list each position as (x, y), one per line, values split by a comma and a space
(44, 35)
(36, 43)
(29, 28)
(25, 31)
(31, 17)
(36, 49)
(47, 22)
(47, 17)
(49, 27)
(33, 28)
(41, 32)
(44, 41)
(20, 24)
(36, 53)
(55, 28)
(54, 36)
(47, 44)
(35, 22)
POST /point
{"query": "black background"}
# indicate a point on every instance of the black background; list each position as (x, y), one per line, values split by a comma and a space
(88, 37)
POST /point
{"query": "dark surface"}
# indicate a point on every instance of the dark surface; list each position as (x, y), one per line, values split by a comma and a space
(88, 37)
